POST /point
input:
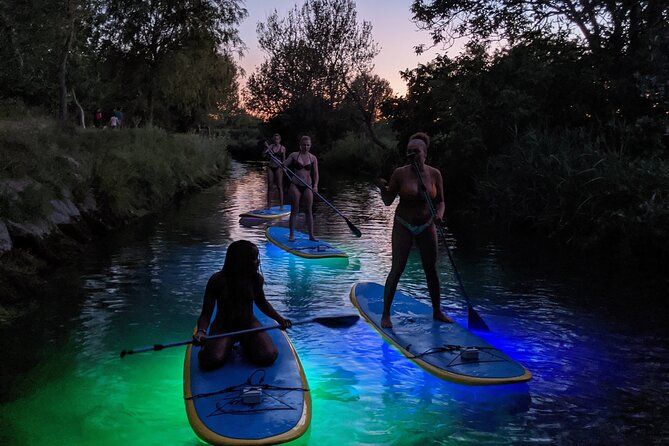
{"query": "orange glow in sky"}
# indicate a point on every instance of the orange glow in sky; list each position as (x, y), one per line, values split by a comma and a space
(392, 30)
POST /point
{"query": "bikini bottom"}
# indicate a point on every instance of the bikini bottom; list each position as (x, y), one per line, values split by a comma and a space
(414, 229)
(301, 187)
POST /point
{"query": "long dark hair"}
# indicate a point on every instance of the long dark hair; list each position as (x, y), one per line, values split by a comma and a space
(240, 269)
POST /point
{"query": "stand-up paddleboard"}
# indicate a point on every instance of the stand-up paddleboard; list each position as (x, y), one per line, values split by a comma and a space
(269, 213)
(242, 404)
(448, 351)
(302, 246)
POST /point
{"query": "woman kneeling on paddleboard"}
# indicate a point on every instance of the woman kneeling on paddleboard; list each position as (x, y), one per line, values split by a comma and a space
(413, 220)
(232, 291)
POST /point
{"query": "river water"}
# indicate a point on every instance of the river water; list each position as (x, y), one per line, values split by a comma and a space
(597, 345)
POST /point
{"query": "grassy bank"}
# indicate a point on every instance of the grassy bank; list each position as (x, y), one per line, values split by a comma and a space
(60, 188)
(583, 193)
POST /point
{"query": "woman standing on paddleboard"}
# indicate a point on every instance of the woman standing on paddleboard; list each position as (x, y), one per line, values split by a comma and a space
(274, 172)
(305, 167)
(232, 291)
(414, 221)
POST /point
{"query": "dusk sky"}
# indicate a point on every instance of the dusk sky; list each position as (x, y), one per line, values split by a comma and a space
(392, 29)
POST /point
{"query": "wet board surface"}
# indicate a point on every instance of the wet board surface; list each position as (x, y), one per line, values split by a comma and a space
(302, 246)
(269, 213)
(437, 347)
(215, 406)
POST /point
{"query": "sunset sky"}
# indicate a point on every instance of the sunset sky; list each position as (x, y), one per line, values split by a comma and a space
(392, 29)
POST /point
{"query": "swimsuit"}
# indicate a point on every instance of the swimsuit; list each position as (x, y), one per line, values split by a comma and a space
(299, 166)
(414, 229)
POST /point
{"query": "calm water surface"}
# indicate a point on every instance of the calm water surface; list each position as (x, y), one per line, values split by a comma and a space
(598, 349)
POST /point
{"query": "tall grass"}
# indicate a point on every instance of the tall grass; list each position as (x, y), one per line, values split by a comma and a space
(130, 172)
(579, 189)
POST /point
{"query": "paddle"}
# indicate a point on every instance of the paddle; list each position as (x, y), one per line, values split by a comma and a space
(474, 320)
(343, 321)
(290, 173)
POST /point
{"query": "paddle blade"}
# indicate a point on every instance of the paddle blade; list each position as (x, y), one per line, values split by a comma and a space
(475, 321)
(337, 321)
(353, 229)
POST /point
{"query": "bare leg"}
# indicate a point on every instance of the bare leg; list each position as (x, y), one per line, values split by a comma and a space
(294, 196)
(427, 244)
(270, 185)
(214, 353)
(279, 184)
(259, 348)
(401, 242)
(308, 204)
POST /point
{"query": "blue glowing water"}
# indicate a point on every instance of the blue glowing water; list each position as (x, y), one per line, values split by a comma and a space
(599, 357)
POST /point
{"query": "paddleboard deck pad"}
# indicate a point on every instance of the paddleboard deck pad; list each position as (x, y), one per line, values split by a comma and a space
(448, 351)
(269, 213)
(302, 246)
(243, 404)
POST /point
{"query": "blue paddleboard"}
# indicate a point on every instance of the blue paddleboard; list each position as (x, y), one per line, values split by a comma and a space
(215, 400)
(302, 246)
(269, 213)
(444, 350)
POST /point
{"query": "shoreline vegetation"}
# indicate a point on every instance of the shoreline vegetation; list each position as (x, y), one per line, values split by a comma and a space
(62, 189)
(538, 129)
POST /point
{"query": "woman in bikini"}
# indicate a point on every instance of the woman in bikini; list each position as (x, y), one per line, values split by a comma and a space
(274, 172)
(233, 291)
(305, 167)
(413, 221)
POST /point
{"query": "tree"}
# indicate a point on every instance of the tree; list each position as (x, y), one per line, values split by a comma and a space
(602, 25)
(366, 93)
(143, 37)
(312, 53)
(626, 42)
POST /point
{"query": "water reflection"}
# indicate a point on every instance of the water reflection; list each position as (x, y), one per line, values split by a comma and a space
(593, 368)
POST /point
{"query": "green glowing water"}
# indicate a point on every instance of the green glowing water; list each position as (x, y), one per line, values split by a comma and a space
(64, 383)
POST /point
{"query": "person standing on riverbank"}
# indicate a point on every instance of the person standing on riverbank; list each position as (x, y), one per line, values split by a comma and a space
(303, 185)
(233, 291)
(414, 221)
(274, 171)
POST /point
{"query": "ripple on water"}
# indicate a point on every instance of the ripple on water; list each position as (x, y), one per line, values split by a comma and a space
(595, 379)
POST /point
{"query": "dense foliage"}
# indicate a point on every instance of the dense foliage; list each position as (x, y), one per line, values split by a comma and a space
(555, 117)
(164, 62)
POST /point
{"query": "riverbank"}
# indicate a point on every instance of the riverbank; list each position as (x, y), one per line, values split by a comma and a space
(62, 189)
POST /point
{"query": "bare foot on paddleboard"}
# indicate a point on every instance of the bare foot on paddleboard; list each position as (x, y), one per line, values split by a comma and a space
(440, 316)
(291, 239)
(313, 239)
(385, 322)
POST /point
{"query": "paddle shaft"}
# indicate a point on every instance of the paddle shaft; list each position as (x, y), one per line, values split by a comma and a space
(290, 173)
(433, 212)
(344, 320)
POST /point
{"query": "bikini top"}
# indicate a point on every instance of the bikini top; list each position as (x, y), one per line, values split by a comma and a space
(299, 166)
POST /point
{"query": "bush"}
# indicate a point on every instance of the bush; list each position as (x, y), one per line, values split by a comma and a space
(574, 187)
(357, 153)
(132, 172)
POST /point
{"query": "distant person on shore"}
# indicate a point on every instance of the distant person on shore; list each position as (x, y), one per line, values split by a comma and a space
(119, 116)
(305, 167)
(274, 171)
(97, 118)
(113, 122)
(233, 291)
(413, 221)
